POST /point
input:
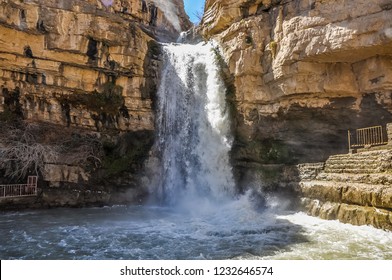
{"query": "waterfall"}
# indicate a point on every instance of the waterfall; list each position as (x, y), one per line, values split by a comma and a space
(193, 126)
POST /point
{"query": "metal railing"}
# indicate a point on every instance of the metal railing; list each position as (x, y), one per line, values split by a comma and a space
(368, 136)
(19, 190)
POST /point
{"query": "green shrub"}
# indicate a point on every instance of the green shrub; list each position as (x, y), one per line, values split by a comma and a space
(8, 117)
(273, 48)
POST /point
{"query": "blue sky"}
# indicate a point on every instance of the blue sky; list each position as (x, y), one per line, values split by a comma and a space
(192, 7)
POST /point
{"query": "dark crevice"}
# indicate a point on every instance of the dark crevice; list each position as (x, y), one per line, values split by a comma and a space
(28, 52)
(92, 51)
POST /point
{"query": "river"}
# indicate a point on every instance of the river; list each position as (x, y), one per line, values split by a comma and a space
(236, 231)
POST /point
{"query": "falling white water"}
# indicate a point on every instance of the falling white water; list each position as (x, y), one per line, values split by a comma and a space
(193, 126)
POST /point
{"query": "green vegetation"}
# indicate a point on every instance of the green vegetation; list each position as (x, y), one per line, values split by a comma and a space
(274, 151)
(270, 174)
(127, 154)
(266, 151)
(8, 116)
(273, 48)
(115, 164)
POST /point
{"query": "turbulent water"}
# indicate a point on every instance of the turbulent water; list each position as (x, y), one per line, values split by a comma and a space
(200, 216)
(234, 231)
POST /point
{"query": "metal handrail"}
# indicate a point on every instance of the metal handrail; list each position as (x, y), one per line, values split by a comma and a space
(19, 190)
(368, 136)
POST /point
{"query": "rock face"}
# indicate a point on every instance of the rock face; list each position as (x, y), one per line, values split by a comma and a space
(55, 55)
(302, 73)
(91, 66)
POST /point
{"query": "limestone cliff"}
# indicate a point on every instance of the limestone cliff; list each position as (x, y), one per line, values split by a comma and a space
(55, 55)
(87, 68)
(302, 73)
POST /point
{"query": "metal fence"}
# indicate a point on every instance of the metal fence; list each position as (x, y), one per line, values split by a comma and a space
(368, 136)
(19, 190)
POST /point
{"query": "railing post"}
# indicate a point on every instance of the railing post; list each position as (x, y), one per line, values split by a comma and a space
(389, 133)
(349, 140)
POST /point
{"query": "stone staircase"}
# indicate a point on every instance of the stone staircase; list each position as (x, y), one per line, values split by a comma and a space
(361, 163)
(373, 167)
(353, 188)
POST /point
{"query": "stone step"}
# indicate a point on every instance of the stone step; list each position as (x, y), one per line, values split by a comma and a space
(366, 153)
(374, 178)
(364, 162)
(354, 162)
(359, 156)
(355, 170)
(355, 159)
(375, 155)
(359, 165)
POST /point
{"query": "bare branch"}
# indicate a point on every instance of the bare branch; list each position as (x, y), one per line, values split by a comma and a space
(26, 149)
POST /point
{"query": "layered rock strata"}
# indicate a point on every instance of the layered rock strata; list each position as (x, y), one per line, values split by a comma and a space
(352, 188)
(302, 73)
(55, 55)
